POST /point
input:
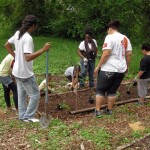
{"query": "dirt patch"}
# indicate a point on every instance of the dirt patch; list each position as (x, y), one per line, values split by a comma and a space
(61, 103)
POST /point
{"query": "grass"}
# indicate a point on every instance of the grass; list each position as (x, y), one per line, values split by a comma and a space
(59, 135)
(64, 54)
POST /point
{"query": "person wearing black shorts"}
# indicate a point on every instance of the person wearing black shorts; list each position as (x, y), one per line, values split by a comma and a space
(112, 66)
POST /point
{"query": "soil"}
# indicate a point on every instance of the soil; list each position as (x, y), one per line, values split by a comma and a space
(61, 102)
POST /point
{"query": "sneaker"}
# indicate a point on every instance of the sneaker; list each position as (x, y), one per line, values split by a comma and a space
(30, 120)
(107, 111)
(98, 114)
(25, 120)
(33, 120)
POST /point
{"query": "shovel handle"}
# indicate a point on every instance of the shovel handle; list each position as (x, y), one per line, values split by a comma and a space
(46, 93)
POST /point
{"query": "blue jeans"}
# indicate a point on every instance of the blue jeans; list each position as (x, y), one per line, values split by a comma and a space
(87, 69)
(27, 87)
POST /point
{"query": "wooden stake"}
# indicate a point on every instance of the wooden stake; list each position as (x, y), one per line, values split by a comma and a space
(104, 106)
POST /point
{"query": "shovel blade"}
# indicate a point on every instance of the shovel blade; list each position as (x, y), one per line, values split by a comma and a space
(45, 120)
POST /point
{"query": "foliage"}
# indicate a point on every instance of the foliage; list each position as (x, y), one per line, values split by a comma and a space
(69, 18)
(63, 105)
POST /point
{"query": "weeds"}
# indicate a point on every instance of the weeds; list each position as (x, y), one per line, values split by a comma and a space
(63, 105)
(99, 136)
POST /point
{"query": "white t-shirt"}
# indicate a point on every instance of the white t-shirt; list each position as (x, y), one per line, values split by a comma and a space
(22, 68)
(118, 44)
(82, 45)
(69, 71)
(5, 66)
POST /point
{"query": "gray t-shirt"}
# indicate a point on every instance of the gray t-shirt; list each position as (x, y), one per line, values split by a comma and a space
(69, 71)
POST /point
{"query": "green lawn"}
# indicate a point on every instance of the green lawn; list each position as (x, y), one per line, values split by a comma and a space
(64, 54)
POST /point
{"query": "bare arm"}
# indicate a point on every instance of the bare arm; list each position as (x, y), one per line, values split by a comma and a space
(74, 82)
(34, 55)
(96, 52)
(128, 57)
(80, 54)
(140, 74)
(9, 49)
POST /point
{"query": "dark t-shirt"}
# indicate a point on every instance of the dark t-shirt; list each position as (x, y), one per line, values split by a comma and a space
(145, 66)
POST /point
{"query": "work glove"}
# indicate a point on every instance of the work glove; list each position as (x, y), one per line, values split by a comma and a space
(85, 59)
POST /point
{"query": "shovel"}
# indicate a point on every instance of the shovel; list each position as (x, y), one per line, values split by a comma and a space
(77, 76)
(45, 119)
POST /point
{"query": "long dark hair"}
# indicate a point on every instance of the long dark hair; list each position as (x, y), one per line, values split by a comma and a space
(28, 21)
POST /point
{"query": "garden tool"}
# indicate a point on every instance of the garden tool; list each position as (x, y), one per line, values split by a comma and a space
(76, 90)
(45, 118)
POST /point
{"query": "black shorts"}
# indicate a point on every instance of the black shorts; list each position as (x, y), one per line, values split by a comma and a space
(108, 83)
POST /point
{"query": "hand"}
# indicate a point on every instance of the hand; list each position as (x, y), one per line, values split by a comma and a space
(96, 70)
(46, 46)
(85, 59)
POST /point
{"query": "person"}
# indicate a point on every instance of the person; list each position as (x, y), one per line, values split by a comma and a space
(143, 76)
(73, 74)
(112, 66)
(88, 51)
(42, 85)
(8, 82)
(23, 67)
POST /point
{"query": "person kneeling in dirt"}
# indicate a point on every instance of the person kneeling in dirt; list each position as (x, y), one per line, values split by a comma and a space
(8, 82)
(73, 74)
(143, 76)
(42, 85)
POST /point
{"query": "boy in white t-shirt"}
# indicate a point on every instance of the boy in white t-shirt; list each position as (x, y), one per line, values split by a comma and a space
(23, 67)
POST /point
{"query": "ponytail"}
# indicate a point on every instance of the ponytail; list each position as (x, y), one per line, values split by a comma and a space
(26, 24)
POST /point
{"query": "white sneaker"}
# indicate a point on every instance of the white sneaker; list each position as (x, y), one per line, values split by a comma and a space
(25, 120)
(33, 120)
